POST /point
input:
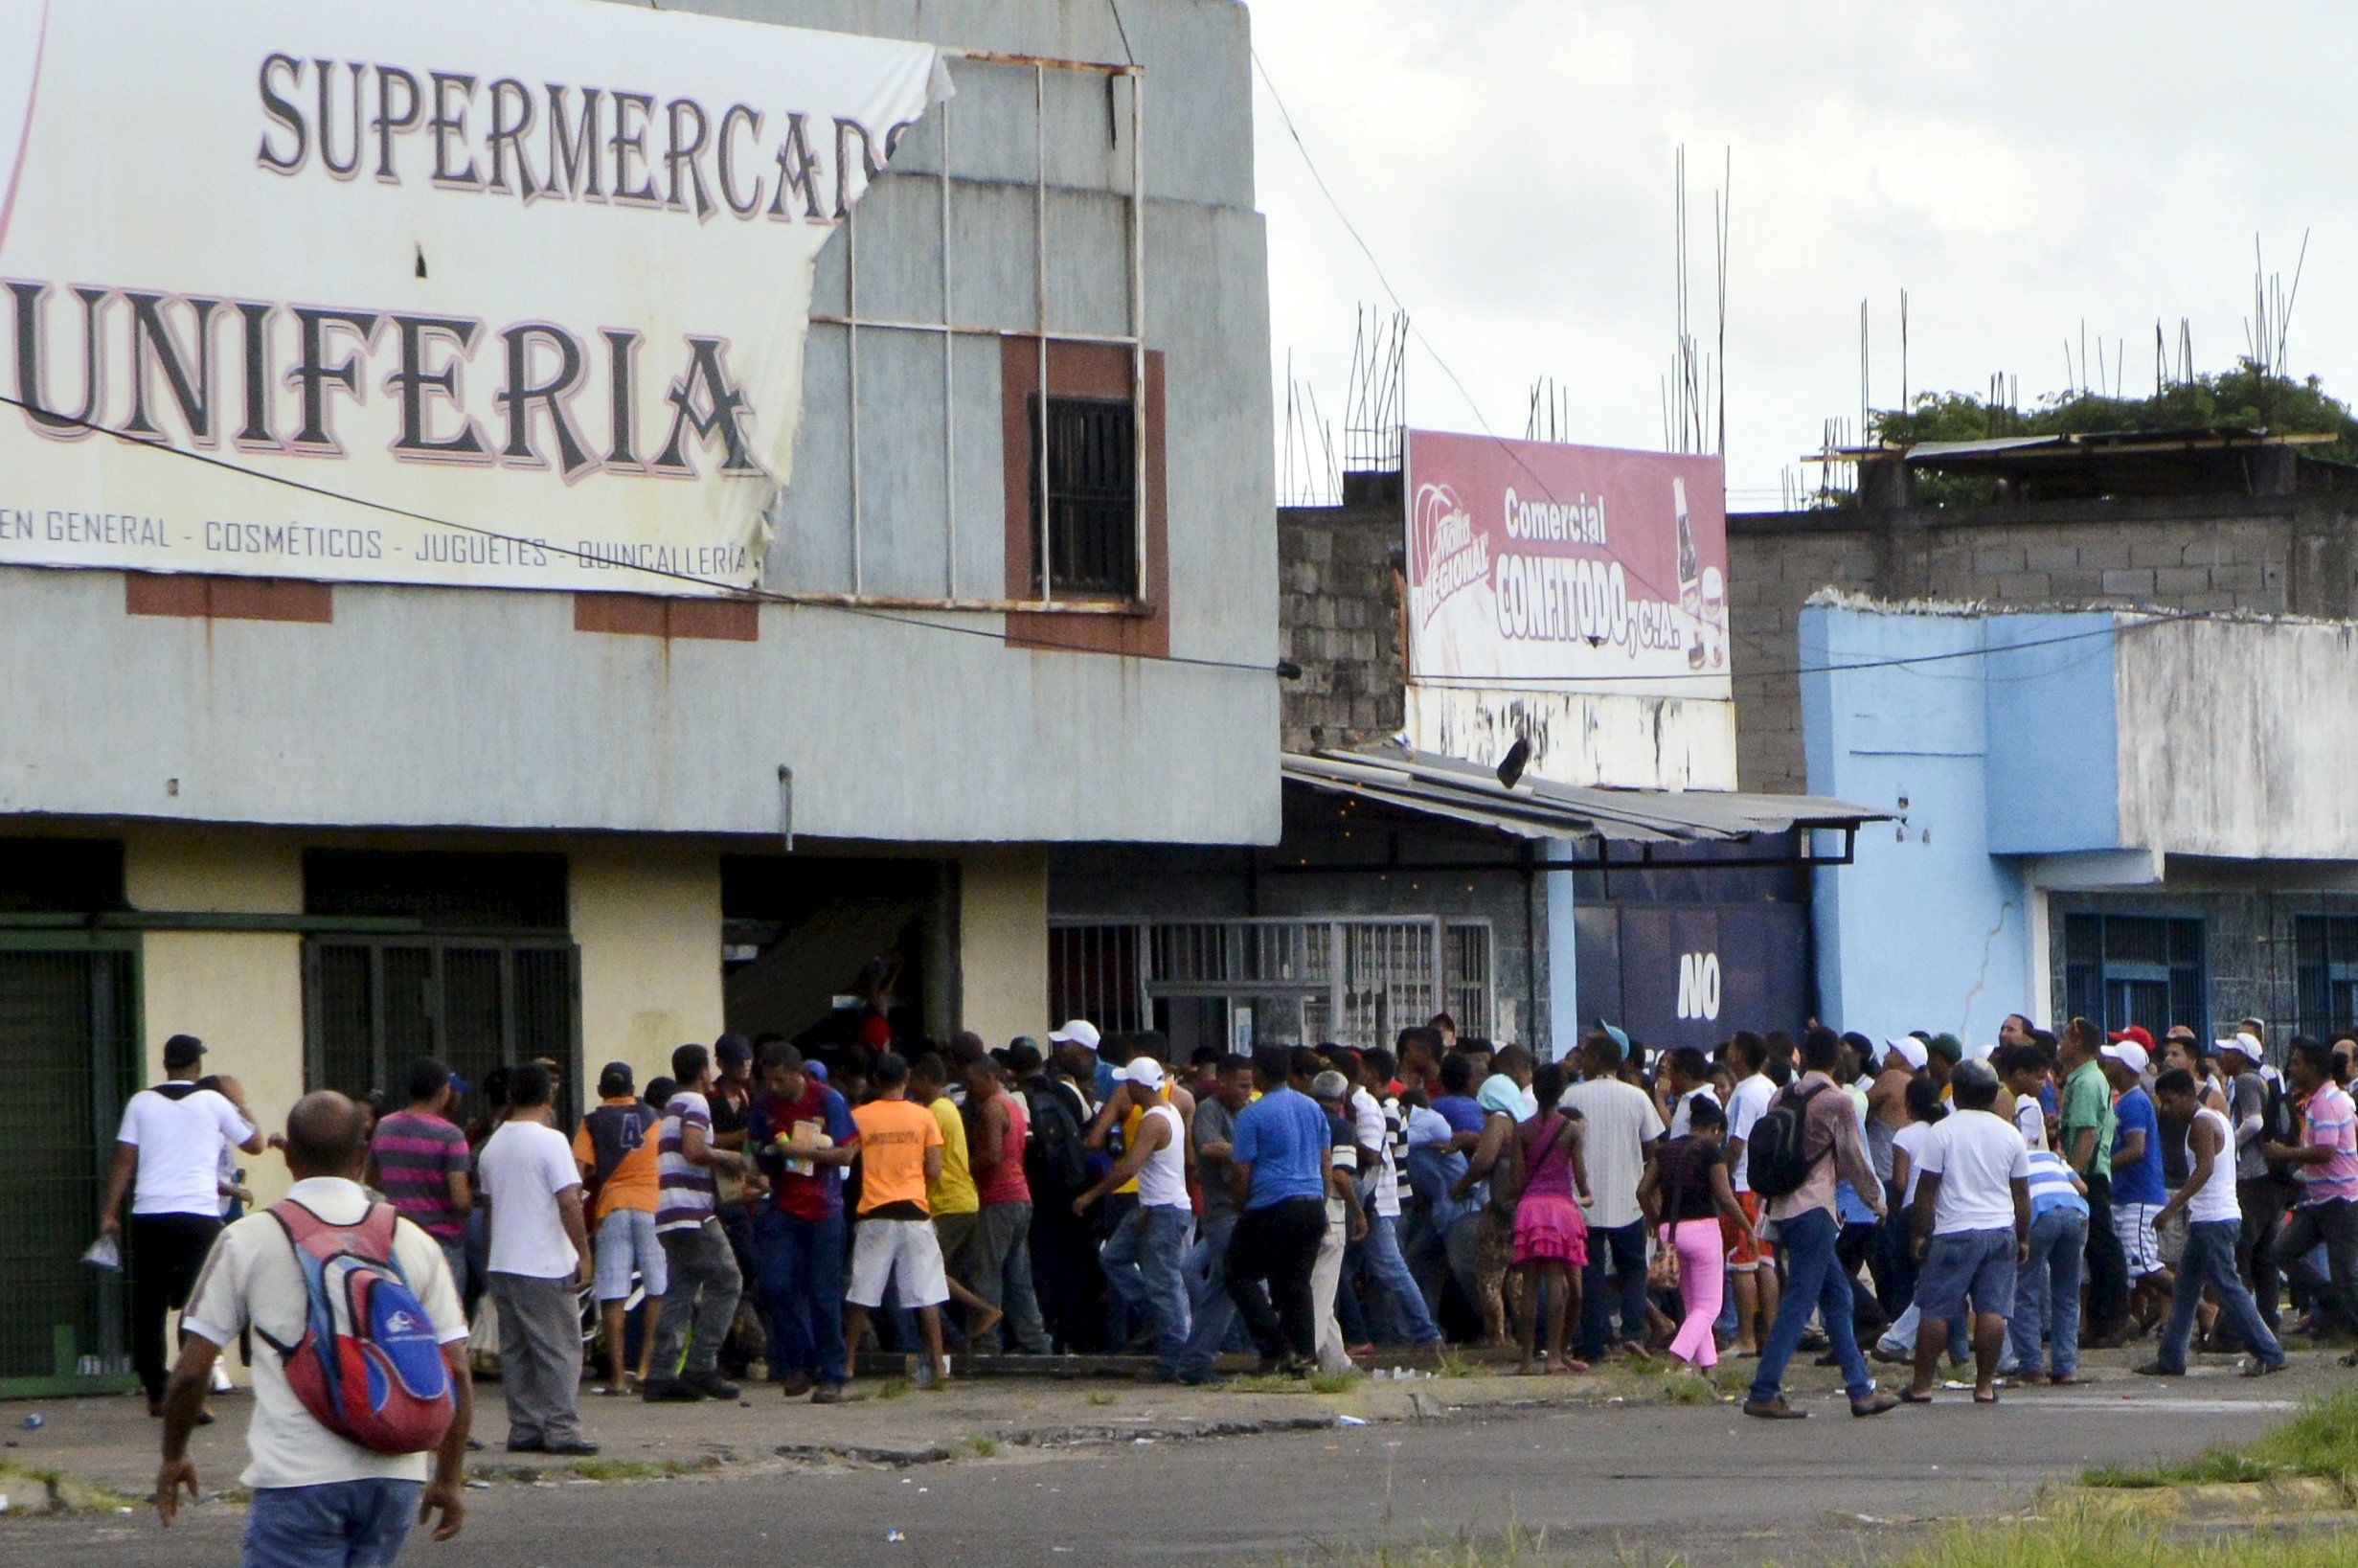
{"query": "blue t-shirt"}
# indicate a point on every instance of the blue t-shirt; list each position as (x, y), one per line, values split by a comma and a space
(2141, 1182)
(1460, 1112)
(1287, 1139)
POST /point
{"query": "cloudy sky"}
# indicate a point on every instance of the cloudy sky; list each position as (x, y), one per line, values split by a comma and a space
(2017, 168)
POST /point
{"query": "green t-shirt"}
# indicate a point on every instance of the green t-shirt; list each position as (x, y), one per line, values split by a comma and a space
(2088, 1102)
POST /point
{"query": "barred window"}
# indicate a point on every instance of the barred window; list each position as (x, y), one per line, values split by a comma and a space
(1090, 507)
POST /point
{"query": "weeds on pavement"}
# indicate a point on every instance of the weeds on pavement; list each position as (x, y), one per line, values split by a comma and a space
(2320, 1440)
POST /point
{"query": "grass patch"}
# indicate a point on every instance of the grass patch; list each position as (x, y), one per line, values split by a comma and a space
(2315, 1442)
(1647, 1366)
(982, 1448)
(32, 1490)
(1335, 1382)
(1101, 1399)
(1455, 1366)
(893, 1388)
(634, 1470)
(1689, 1391)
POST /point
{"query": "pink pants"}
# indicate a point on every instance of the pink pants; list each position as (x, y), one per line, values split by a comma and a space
(1700, 1285)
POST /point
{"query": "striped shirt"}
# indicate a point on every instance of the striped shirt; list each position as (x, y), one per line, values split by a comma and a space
(416, 1154)
(2050, 1185)
(684, 1194)
(2329, 1120)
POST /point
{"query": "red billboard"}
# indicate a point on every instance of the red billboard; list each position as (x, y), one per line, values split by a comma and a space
(1536, 566)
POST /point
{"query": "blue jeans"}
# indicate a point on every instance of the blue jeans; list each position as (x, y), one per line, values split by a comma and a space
(340, 1524)
(1814, 1282)
(1404, 1312)
(2210, 1253)
(2047, 1294)
(1142, 1266)
(1625, 1245)
(802, 1286)
(1215, 1315)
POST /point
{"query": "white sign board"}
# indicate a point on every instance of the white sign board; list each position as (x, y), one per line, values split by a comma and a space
(440, 291)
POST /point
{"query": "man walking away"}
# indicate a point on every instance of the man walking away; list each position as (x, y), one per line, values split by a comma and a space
(1211, 1310)
(1277, 1171)
(2047, 1287)
(318, 1498)
(1754, 1271)
(2325, 1163)
(1622, 1134)
(1828, 1143)
(1003, 1262)
(699, 1299)
(540, 1262)
(1155, 1158)
(957, 1206)
(2260, 1191)
(2138, 1191)
(1972, 1224)
(803, 1136)
(615, 1149)
(2213, 1226)
(899, 1155)
(167, 1159)
(1403, 1311)
(423, 1166)
(2085, 1124)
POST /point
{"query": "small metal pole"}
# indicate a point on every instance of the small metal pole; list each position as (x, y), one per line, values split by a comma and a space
(851, 358)
(1039, 197)
(1138, 331)
(949, 349)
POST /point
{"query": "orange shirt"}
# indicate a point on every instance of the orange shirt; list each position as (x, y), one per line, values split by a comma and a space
(894, 1138)
(634, 1180)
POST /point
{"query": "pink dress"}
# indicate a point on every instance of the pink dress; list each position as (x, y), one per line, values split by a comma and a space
(1548, 1227)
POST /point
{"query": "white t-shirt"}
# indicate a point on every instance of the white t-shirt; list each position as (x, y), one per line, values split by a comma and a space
(1978, 1155)
(1622, 1120)
(2031, 1119)
(1163, 1180)
(2216, 1199)
(1368, 1125)
(252, 1278)
(1747, 1103)
(180, 1138)
(523, 1169)
(1683, 1109)
(1909, 1141)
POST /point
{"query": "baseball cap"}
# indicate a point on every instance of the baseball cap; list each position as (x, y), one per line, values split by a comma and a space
(2245, 1043)
(1946, 1048)
(183, 1051)
(1144, 1071)
(1619, 1036)
(733, 1050)
(2129, 1054)
(1908, 1049)
(615, 1078)
(1023, 1055)
(2136, 1033)
(1078, 1032)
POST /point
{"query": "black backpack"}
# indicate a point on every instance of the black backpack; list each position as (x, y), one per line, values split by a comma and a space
(2276, 1127)
(1056, 1166)
(1773, 1156)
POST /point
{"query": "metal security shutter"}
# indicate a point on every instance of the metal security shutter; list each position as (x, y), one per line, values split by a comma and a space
(69, 1050)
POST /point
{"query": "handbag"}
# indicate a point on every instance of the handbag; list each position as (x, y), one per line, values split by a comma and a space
(1662, 1272)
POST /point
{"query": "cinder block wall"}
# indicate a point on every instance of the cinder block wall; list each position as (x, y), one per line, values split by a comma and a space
(1339, 581)
(2273, 553)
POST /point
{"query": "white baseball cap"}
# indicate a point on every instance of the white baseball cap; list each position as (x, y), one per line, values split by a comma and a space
(1908, 1049)
(1144, 1071)
(1981, 1052)
(2129, 1054)
(2245, 1042)
(1080, 1032)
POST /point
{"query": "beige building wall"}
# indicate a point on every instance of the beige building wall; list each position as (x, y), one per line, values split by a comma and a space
(241, 993)
(1003, 942)
(646, 916)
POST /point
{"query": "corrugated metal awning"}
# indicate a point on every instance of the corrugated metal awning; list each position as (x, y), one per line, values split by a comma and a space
(1460, 791)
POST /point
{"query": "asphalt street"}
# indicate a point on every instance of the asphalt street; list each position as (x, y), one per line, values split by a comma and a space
(1646, 1479)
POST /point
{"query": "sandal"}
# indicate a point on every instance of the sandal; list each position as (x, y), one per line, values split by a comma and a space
(1909, 1396)
(1991, 1398)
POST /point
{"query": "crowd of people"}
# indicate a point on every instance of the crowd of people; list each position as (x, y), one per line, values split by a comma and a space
(2003, 1208)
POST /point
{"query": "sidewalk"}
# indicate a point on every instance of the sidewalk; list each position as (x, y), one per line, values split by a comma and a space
(110, 1443)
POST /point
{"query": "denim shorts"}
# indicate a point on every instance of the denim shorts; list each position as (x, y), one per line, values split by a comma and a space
(626, 1241)
(1974, 1263)
(338, 1524)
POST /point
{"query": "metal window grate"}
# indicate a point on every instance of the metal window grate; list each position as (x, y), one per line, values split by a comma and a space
(1468, 964)
(2142, 969)
(1089, 508)
(2325, 973)
(69, 1049)
(373, 1006)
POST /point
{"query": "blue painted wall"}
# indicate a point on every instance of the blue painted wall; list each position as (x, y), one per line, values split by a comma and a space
(2054, 759)
(1926, 929)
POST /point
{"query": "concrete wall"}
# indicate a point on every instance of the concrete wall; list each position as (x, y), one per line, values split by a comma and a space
(2255, 553)
(646, 916)
(2235, 738)
(426, 708)
(1003, 943)
(1926, 930)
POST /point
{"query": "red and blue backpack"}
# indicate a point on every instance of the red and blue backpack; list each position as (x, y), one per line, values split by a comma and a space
(369, 1366)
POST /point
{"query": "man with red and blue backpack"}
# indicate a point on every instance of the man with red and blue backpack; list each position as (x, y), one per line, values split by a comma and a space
(361, 1402)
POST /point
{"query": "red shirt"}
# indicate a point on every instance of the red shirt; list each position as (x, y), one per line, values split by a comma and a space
(1005, 1182)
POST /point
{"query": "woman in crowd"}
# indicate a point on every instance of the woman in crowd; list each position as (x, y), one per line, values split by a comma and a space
(1551, 1237)
(1685, 1193)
